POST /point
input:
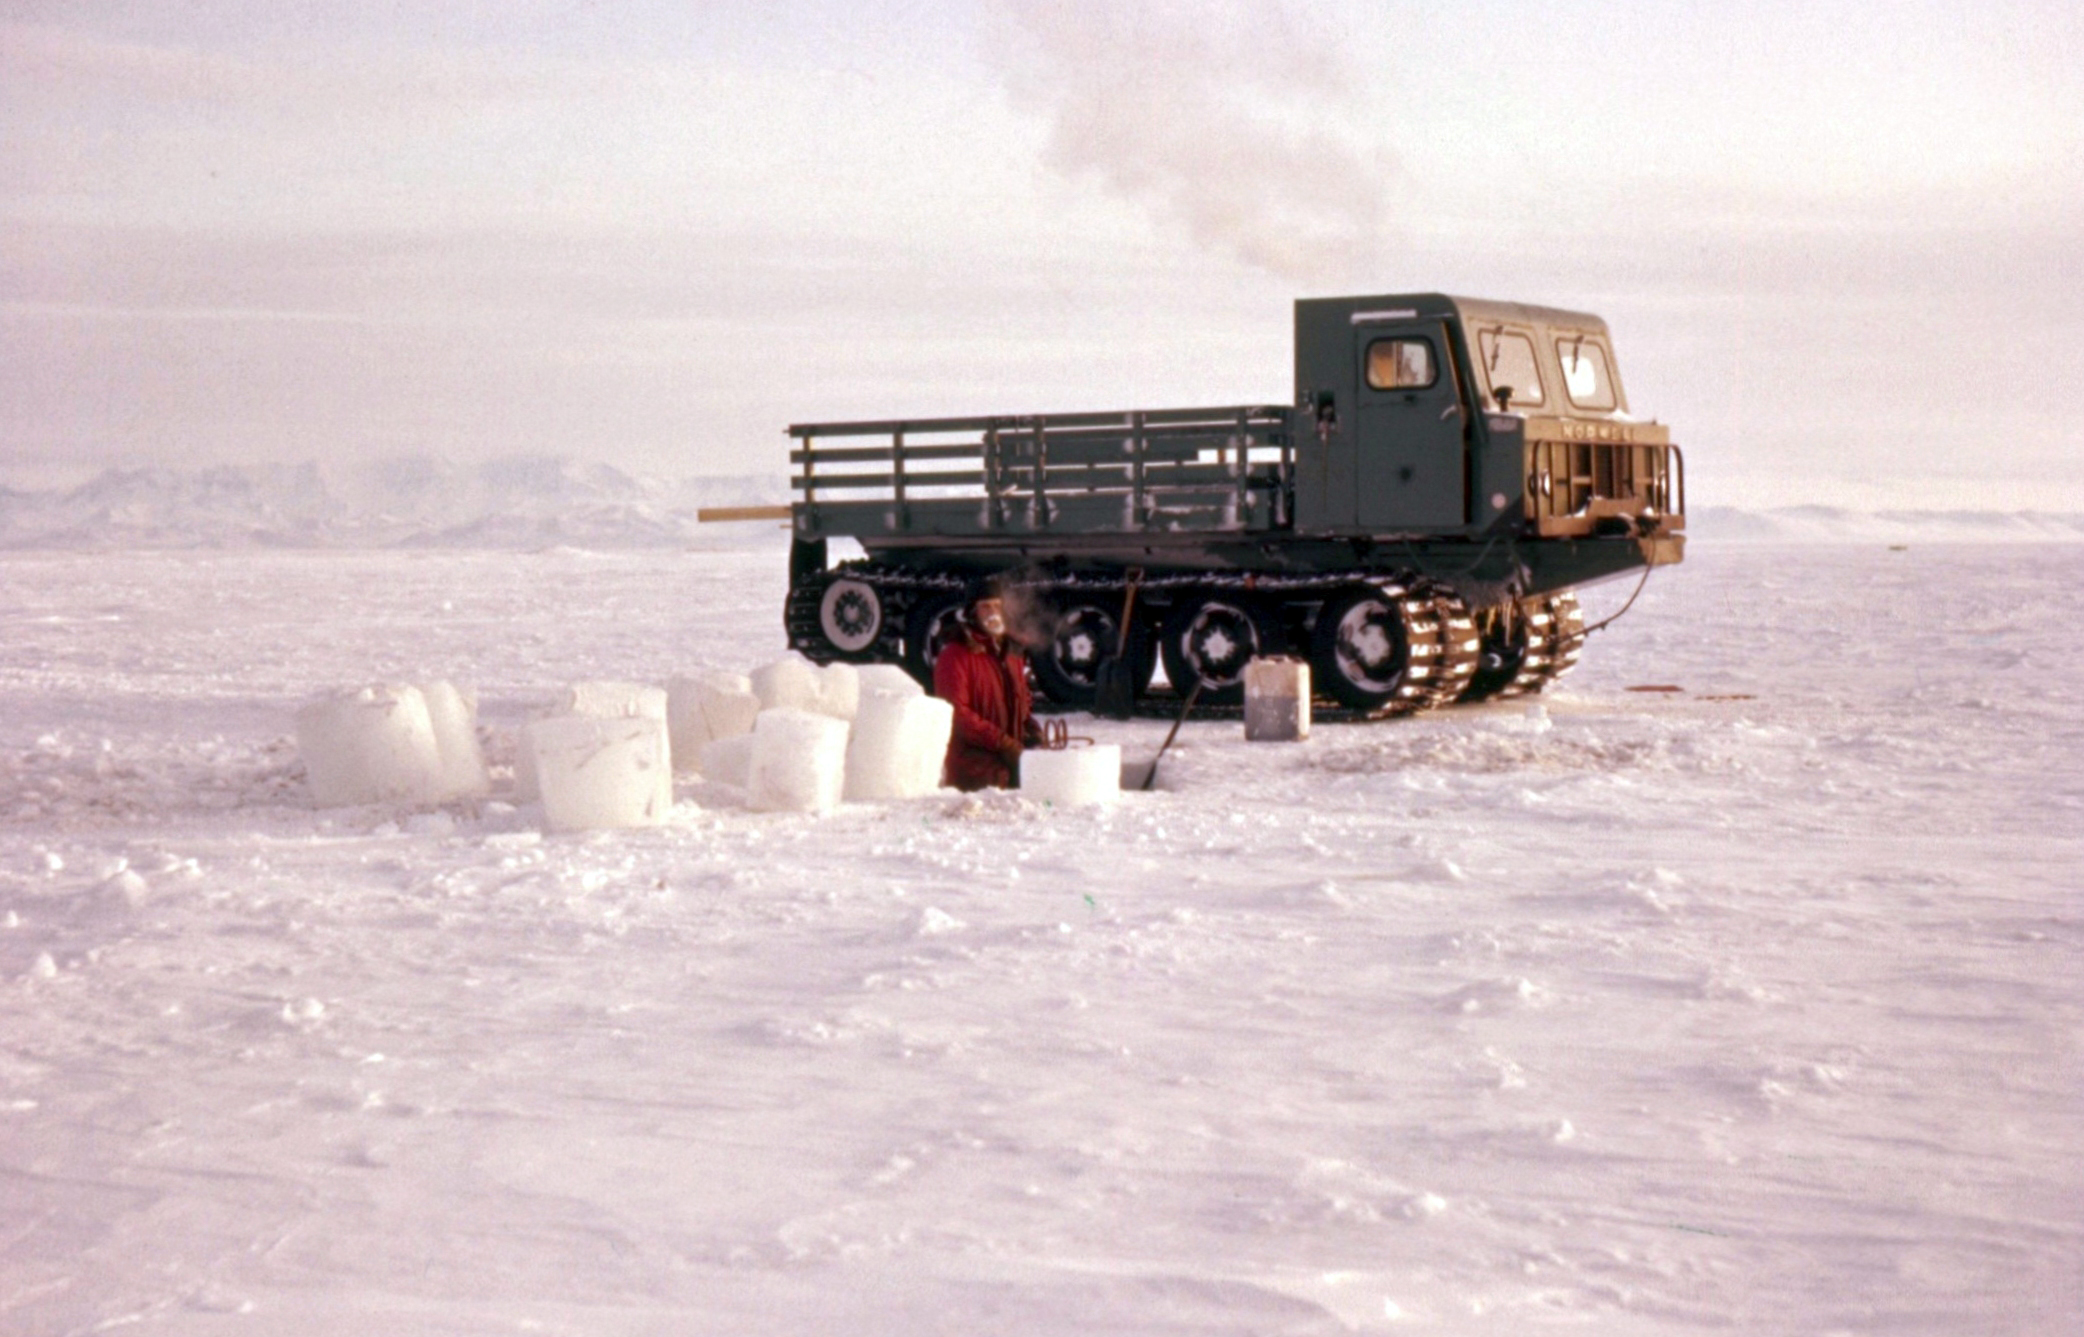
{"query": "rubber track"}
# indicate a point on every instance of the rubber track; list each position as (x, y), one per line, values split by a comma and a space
(1459, 648)
(1560, 623)
(1445, 645)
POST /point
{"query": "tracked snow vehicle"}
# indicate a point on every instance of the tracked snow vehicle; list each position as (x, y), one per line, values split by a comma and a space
(1414, 523)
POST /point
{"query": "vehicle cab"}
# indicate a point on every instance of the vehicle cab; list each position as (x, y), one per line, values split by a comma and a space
(1421, 414)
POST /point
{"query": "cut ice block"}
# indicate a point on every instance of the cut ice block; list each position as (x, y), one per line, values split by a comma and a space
(685, 727)
(729, 704)
(370, 745)
(728, 760)
(454, 714)
(888, 678)
(799, 762)
(595, 700)
(1277, 699)
(597, 773)
(611, 700)
(795, 683)
(898, 746)
(839, 691)
(792, 683)
(706, 707)
(1072, 775)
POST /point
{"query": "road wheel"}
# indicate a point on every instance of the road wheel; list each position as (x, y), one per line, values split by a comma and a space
(1087, 634)
(932, 619)
(1505, 630)
(1361, 651)
(1526, 646)
(1211, 639)
(850, 615)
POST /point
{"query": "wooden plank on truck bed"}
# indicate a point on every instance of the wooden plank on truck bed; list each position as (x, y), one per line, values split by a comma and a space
(712, 514)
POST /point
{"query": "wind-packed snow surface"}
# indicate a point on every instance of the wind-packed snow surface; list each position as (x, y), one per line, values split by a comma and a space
(1753, 1007)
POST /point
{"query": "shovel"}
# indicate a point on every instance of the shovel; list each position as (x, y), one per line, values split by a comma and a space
(1114, 684)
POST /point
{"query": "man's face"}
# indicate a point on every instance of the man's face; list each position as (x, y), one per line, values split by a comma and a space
(991, 616)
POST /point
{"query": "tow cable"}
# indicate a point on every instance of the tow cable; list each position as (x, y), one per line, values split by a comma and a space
(1607, 622)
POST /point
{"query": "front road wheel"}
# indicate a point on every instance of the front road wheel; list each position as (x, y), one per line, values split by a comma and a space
(1360, 651)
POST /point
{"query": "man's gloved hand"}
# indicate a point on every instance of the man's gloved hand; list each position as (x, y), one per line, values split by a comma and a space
(1010, 749)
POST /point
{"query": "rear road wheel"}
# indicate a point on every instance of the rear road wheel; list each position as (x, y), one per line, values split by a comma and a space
(850, 615)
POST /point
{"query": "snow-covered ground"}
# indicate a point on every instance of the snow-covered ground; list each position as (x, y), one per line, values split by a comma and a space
(1755, 1007)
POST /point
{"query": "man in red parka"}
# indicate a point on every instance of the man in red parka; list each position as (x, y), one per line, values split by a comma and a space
(981, 672)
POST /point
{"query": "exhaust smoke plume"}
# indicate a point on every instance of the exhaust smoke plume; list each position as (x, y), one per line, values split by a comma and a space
(1030, 618)
(1240, 124)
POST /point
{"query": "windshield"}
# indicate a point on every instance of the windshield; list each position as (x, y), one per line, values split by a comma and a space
(1508, 365)
(1587, 378)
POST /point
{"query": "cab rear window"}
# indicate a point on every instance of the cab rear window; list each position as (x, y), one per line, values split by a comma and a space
(1401, 364)
(1508, 364)
(1587, 378)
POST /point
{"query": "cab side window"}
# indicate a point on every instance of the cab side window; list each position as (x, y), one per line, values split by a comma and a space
(1401, 364)
(1586, 377)
(1508, 363)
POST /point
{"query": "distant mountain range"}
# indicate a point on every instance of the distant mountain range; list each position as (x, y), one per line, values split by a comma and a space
(532, 502)
(1830, 524)
(522, 502)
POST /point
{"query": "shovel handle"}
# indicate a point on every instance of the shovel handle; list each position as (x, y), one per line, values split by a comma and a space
(1121, 650)
(1192, 694)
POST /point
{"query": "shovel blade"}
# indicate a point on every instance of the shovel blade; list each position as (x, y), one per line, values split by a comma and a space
(1114, 690)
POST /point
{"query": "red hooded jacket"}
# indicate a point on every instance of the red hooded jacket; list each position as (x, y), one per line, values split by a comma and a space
(994, 710)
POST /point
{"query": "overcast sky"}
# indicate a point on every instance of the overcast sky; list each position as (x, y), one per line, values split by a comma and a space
(1841, 246)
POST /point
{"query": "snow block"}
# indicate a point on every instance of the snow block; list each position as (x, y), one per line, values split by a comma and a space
(704, 708)
(799, 762)
(454, 715)
(371, 745)
(685, 727)
(1072, 776)
(728, 760)
(795, 683)
(597, 773)
(788, 684)
(612, 700)
(898, 745)
(839, 691)
(1277, 699)
(594, 700)
(889, 679)
(729, 704)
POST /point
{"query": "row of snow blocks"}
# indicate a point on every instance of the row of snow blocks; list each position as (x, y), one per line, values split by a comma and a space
(591, 700)
(597, 773)
(705, 709)
(899, 744)
(798, 762)
(794, 683)
(1277, 700)
(1072, 776)
(392, 743)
